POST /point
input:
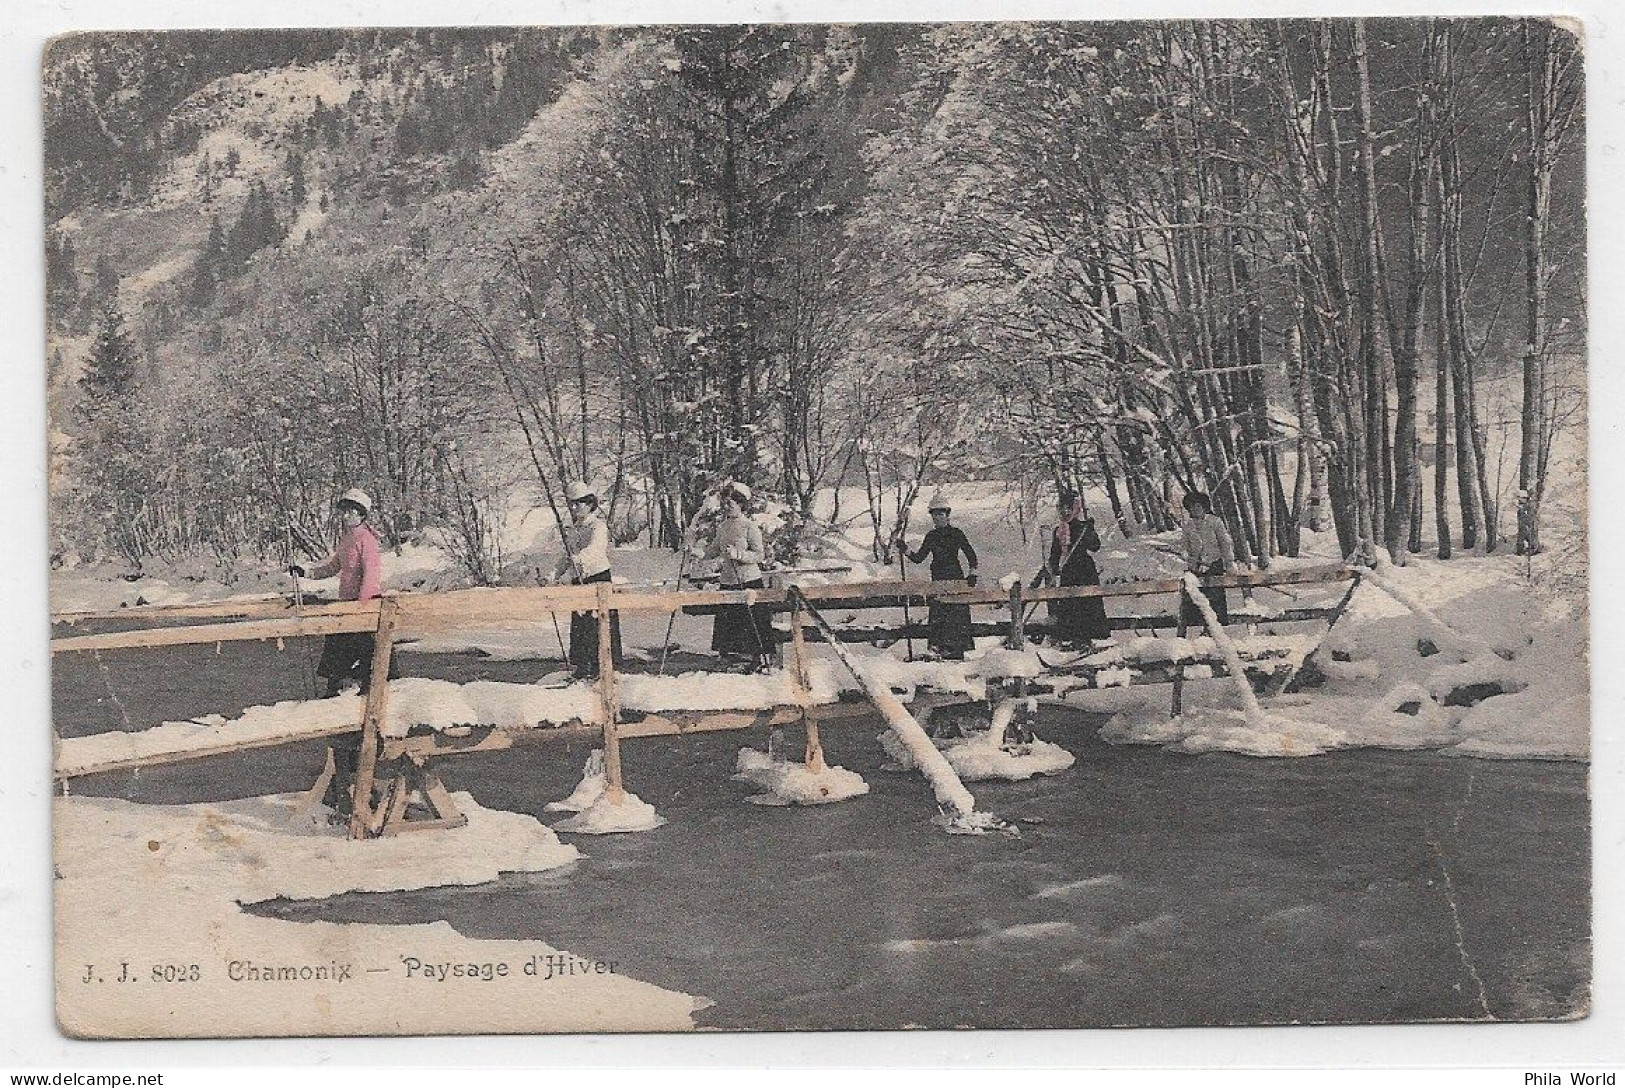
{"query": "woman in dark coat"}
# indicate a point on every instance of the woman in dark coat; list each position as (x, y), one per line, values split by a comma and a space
(1080, 620)
(950, 623)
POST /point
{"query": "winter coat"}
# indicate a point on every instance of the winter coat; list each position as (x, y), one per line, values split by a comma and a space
(738, 543)
(586, 550)
(355, 561)
(1208, 545)
(1075, 566)
(944, 546)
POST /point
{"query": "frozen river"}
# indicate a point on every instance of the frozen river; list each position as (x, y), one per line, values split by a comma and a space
(1147, 888)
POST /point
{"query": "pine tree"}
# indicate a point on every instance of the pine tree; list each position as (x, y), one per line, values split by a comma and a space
(296, 179)
(110, 373)
(210, 265)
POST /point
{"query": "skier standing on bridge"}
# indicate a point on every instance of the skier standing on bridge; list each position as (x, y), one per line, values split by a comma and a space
(586, 562)
(950, 624)
(742, 635)
(1209, 552)
(347, 658)
(1079, 620)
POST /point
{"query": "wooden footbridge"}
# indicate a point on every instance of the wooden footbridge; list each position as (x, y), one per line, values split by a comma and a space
(392, 769)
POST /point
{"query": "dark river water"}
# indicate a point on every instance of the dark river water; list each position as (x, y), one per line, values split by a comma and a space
(1146, 888)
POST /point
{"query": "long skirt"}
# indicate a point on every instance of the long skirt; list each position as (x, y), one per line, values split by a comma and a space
(950, 633)
(744, 630)
(1192, 616)
(1081, 619)
(584, 636)
(348, 657)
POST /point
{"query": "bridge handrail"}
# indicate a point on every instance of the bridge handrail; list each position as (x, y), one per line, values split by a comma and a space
(419, 614)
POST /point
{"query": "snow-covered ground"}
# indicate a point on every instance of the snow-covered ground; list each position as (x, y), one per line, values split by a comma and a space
(1397, 679)
(151, 895)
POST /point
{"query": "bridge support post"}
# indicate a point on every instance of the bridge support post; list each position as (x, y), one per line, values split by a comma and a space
(609, 694)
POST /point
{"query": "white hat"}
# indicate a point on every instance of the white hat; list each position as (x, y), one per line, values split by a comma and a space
(738, 489)
(579, 490)
(359, 498)
(939, 501)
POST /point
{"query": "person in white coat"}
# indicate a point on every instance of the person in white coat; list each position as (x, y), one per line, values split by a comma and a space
(586, 562)
(1209, 552)
(742, 634)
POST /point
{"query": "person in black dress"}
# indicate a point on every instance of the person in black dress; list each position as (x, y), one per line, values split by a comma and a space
(1080, 620)
(950, 628)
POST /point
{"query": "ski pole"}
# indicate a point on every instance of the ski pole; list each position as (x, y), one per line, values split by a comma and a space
(558, 633)
(902, 570)
(682, 569)
(308, 674)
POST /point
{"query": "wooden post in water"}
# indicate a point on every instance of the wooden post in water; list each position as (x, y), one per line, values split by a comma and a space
(801, 677)
(372, 722)
(1018, 623)
(1178, 706)
(610, 695)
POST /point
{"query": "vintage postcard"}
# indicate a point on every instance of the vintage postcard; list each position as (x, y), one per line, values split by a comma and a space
(797, 527)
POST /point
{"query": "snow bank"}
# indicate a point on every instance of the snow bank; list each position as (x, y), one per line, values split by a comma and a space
(1407, 717)
(1229, 730)
(789, 783)
(154, 885)
(606, 817)
(1528, 726)
(1482, 629)
(1483, 671)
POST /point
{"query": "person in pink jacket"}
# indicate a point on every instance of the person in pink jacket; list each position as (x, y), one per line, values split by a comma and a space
(347, 658)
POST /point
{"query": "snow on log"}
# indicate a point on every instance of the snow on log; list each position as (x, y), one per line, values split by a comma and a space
(1227, 650)
(945, 784)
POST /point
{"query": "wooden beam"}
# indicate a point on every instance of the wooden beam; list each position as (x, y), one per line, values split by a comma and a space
(424, 613)
(253, 608)
(1177, 706)
(225, 748)
(202, 635)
